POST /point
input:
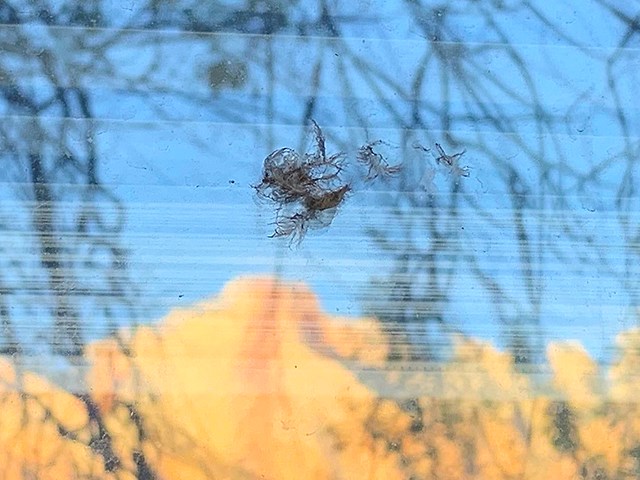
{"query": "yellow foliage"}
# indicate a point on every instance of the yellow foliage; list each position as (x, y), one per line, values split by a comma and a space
(625, 374)
(43, 431)
(259, 383)
(603, 439)
(244, 377)
(575, 374)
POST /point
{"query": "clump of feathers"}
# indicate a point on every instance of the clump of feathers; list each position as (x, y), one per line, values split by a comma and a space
(308, 188)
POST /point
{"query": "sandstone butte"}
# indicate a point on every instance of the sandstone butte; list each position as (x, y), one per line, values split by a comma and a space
(260, 384)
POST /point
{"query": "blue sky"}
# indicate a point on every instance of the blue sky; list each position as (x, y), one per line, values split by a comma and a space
(181, 155)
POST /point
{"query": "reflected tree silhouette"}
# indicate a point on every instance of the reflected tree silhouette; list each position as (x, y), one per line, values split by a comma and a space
(49, 144)
(487, 96)
(69, 219)
(456, 96)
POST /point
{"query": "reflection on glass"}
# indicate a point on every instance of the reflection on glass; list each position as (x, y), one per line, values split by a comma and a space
(283, 239)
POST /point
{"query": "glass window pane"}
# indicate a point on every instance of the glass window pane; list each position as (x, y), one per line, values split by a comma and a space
(317, 239)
